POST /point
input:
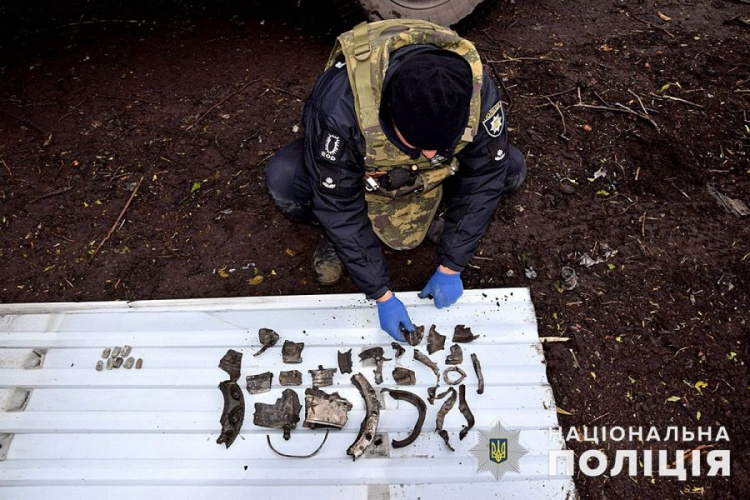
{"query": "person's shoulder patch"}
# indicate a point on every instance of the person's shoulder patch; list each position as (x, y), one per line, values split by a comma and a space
(493, 121)
(330, 146)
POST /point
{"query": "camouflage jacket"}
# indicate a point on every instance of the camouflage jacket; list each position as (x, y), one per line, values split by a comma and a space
(335, 153)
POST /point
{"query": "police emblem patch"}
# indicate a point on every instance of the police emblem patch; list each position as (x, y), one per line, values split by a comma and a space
(498, 451)
(493, 120)
(330, 147)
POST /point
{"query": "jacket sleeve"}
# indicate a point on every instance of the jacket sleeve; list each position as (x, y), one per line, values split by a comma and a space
(482, 167)
(335, 166)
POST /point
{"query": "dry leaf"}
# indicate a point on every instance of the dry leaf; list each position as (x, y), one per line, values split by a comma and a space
(256, 281)
(663, 16)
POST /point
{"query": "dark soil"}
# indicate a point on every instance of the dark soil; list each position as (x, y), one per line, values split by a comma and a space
(87, 108)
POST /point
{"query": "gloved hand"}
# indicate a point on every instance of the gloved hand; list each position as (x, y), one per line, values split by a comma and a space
(392, 315)
(444, 288)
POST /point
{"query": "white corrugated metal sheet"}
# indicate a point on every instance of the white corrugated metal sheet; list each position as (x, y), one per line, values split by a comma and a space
(151, 433)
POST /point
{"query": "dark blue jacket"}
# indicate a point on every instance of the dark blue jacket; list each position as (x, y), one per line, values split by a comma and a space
(336, 178)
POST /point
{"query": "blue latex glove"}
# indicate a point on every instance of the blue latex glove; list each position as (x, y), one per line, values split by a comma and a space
(392, 315)
(444, 288)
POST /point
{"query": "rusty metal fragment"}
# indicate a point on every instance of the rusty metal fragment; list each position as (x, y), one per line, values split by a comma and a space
(257, 384)
(115, 352)
(126, 351)
(447, 406)
(106, 352)
(268, 338)
(233, 414)
(309, 455)
(435, 341)
(415, 336)
(291, 352)
(284, 414)
(99, 365)
(345, 361)
(463, 407)
(322, 377)
(422, 358)
(129, 363)
(230, 363)
(378, 355)
(291, 377)
(325, 410)
(456, 357)
(139, 363)
(421, 408)
(118, 362)
(457, 370)
(404, 376)
(478, 371)
(369, 424)
(399, 350)
(463, 334)
(431, 394)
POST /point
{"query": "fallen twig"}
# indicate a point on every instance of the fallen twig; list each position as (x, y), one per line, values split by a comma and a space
(284, 91)
(563, 135)
(672, 98)
(201, 117)
(7, 168)
(137, 99)
(25, 122)
(114, 226)
(653, 26)
(619, 109)
(52, 193)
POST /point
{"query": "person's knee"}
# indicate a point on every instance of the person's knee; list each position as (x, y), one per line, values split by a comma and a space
(281, 172)
(517, 170)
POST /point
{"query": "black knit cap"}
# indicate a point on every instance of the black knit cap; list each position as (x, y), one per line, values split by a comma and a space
(428, 97)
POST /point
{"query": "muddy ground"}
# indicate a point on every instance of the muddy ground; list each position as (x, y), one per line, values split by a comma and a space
(186, 103)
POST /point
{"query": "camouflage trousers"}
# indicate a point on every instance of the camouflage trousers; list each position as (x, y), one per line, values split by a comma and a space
(291, 189)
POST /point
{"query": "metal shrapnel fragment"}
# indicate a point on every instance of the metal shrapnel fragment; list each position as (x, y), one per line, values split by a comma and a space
(309, 455)
(369, 424)
(463, 334)
(106, 352)
(233, 413)
(284, 414)
(118, 362)
(260, 383)
(230, 363)
(422, 358)
(463, 407)
(322, 377)
(456, 357)
(441, 416)
(404, 376)
(268, 338)
(421, 408)
(435, 341)
(99, 365)
(478, 371)
(325, 410)
(568, 278)
(377, 354)
(291, 352)
(291, 377)
(345, 361)
(415, 336)
(431, 394)
(115, 352)
(399, 350)
(454, 369)
(126, 351)
(129, 363)
(139, 363)
(110, 363)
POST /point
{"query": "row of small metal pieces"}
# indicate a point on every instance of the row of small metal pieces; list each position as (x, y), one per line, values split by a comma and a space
(116, 358)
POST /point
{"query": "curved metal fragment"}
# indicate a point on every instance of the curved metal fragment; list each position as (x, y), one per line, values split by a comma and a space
(322, 377)
(478, 371)
(421, 408)
(435, 341)
(372, 415)
(442, 412)
(377, 354)
(284, 414)
(463, 407)
(233, 414)
(456, 357)
(345, 361)
(325, 410)
(257, 384)
(290, 377)
(463, 334)
(422, 358)
(404, 376)
(291, 352)
(231, 363)
(268, 338)
(399, 350)
(457, 370)
(325, 438)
